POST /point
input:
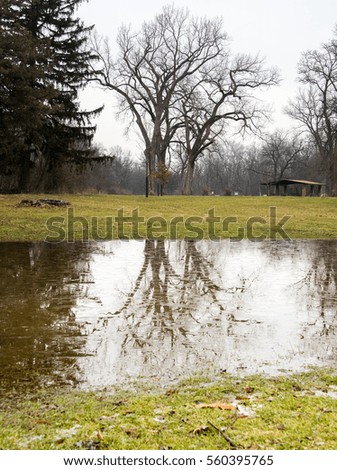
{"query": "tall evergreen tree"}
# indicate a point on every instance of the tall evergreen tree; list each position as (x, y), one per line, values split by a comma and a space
(23, 104)
(53, 41)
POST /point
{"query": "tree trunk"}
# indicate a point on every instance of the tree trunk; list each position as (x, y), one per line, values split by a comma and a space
(161, 165)
(188, 179)
(24, 171)
(147, 173)
(150, 169)
(333, 182)
(331, 179)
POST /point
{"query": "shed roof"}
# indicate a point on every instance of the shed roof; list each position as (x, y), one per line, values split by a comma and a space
(286, 181)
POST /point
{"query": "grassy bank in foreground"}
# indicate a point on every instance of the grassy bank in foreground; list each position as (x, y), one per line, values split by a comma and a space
(308, 217)
(290, 412)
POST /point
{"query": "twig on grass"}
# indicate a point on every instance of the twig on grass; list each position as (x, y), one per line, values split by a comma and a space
(229, 440)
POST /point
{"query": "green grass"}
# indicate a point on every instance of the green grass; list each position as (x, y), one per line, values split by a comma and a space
(292, 412)
(309, 217)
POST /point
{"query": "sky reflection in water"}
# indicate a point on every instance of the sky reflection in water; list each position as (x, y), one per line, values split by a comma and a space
(103, 313)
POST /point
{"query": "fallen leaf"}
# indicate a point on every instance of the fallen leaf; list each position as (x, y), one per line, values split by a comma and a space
(242, 398)
(132, 432)
(40, 421)
(222, 406)
(201, 430)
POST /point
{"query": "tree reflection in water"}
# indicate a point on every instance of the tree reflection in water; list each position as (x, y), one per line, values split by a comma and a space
(171, 302)
(320, 283)
(197, 306)
(103, 312)
(39, 335)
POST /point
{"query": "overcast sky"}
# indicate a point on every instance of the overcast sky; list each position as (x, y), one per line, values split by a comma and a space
(278, 30)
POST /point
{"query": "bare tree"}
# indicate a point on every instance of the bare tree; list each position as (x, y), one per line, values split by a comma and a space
(315, 106)
(280, 154)
(150, 66)
(219, 95)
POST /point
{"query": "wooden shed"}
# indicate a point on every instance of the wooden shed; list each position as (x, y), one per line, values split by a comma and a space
(280, 187)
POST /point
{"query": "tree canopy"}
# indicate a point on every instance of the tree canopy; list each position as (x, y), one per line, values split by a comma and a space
(176, 77)
(315, 106)
(43, 65)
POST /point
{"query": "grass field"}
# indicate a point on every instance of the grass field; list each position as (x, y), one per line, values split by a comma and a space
(168, 217)
(288, 412)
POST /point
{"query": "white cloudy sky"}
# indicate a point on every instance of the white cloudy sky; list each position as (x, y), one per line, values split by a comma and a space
(280, 30)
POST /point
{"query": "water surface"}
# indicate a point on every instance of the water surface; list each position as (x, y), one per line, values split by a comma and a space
(98, 314)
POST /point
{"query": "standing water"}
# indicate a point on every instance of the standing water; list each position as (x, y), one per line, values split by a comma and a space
(98, 314)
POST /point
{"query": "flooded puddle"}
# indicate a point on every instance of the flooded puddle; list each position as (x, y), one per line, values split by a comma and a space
(98, 314)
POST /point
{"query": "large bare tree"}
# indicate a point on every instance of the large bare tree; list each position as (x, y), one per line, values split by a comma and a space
(315, 106)
(221, 94)
(150, 65)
